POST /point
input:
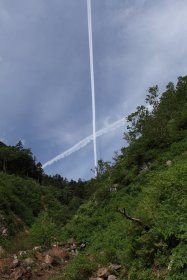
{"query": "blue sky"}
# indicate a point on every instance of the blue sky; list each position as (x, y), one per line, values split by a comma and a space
(45, 96)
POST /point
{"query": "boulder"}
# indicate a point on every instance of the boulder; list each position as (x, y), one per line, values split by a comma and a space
(39, 256)
(22, 253)
(168, 162)
(112, 277)
(48, 259)
(58, 252)
(36, 248)
(113, 267)
(102, 272)
(4, 231)
(170, 265)
(114, 188)
(144, 168)
(15, 263)
(28, 261)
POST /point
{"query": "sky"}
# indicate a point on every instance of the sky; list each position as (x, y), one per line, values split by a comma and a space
(45, 92)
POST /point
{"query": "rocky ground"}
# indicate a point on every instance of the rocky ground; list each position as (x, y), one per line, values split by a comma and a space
(41, 264)
(34, 264)
(107, 273)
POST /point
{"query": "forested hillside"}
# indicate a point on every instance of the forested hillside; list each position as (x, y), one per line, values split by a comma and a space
(26, 193)
(131, 218)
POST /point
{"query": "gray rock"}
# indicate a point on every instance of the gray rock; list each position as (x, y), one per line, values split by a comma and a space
(114, 188)
(144, 168)
(113, 267)
(168, 162)
(36, 248)
(22, 253)
(48, 259)
(112, 277)
(15, 263)
(4, 231)
(102, 272)
(28, 261)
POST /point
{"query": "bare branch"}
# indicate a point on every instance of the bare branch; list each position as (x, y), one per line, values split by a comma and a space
(124, 213)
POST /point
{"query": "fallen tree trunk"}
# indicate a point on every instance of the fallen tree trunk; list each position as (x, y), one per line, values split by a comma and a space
(133, 219)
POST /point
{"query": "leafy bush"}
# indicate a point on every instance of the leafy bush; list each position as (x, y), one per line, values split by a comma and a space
(43, 231)
(79, 268)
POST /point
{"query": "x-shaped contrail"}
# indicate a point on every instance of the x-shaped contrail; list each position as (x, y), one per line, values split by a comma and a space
(85, 142)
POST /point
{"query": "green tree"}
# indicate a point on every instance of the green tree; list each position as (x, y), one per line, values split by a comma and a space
(19, 145)
(152, 97)
(136, 123)
(43, 231)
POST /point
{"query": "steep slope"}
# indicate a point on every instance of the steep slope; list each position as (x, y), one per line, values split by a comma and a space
(21, 201)
(148, 239)
(137, 216)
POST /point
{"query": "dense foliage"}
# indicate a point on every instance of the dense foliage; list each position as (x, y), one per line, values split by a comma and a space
(28, 197)
(148, 183)
(133, 213)
(19, 161)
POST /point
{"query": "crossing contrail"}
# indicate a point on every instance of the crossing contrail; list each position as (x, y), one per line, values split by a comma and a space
(85, 142)
(102, 131)
(89, 10)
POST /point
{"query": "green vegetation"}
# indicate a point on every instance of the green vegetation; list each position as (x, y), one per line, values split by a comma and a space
(80, 268)
(149, 179)
(133, 213)
(19, 161)
(43, 231)
(26, 204)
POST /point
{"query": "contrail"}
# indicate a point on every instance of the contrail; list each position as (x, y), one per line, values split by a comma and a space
(85, 142)
(89, 10)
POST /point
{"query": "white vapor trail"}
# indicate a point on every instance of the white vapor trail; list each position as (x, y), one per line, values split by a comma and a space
(85, 142)
(89, 11)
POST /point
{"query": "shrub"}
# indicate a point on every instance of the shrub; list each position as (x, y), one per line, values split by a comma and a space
(43, 231)
(80, 268)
